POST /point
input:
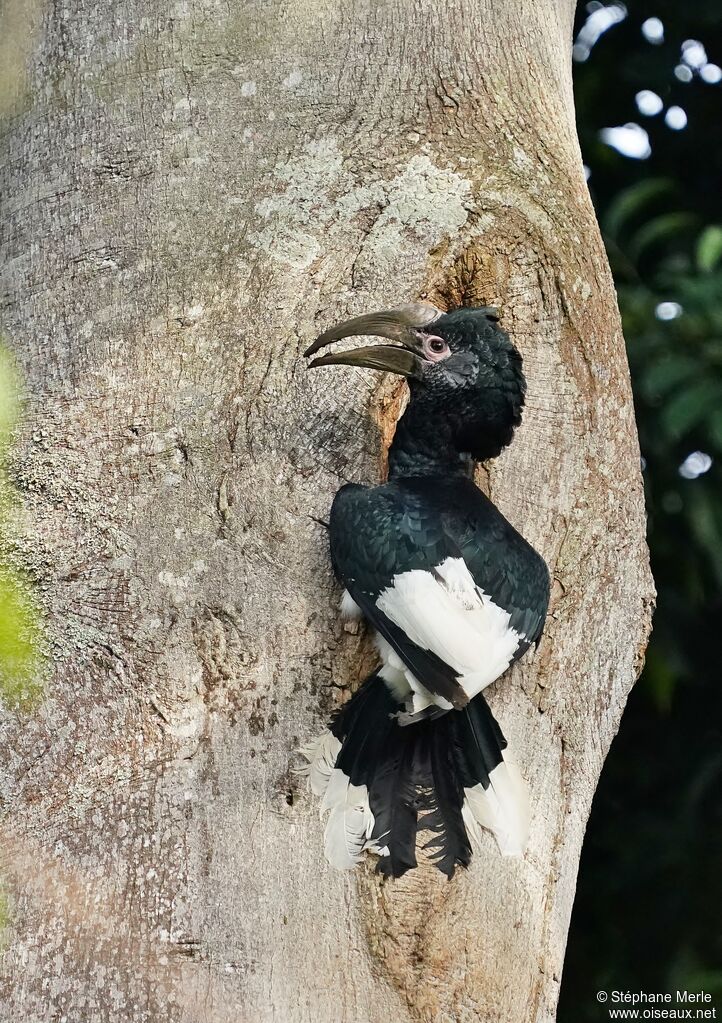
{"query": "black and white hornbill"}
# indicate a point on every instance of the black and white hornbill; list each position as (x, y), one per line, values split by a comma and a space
(452, 591)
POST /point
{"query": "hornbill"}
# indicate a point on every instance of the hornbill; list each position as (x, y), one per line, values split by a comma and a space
(454, 595)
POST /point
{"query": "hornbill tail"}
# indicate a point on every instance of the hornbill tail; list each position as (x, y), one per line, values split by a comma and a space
(382, 783)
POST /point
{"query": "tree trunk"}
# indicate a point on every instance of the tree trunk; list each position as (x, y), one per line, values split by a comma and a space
(191, 192)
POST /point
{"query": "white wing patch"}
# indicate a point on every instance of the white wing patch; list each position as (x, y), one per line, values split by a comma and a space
(449, 615)
(403, 684)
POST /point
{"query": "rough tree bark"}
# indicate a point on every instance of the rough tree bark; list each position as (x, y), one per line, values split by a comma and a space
(192, 190)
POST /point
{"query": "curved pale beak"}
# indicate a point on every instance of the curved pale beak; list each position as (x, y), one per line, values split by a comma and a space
(404, 325)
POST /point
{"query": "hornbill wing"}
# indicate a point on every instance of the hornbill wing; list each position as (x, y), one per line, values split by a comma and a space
(394, 554)
(504, 565)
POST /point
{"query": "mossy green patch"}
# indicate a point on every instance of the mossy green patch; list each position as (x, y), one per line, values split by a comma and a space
(21, 658)
(5, 918)
(9, 402)
(21, 661)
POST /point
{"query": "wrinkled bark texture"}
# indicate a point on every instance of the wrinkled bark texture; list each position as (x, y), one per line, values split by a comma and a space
(191, 191)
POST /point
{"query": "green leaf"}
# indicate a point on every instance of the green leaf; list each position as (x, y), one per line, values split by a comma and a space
(706, 528)
(709, 981)
(21, 659)
(660, 229)
(660, 377)
(631, 201)
(690, 406)
(715, 427)
(709, 248)
(660, 680)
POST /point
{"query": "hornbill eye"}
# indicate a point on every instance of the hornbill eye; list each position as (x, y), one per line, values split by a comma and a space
(435, 348)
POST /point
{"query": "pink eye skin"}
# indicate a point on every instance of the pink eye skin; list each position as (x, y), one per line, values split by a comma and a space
(435, 348)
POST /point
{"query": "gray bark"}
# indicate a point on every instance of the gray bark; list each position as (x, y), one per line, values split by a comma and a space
(191, 191)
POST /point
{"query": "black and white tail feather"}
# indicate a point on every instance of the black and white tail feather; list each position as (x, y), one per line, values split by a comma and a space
(382, 783)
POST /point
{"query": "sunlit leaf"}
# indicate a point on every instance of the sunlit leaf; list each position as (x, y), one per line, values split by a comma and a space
(709, 248)
(632, 201)
(690, 406)
(667, 373)
(661, 229)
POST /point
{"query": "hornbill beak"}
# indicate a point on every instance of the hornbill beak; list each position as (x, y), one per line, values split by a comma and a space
(405, 325)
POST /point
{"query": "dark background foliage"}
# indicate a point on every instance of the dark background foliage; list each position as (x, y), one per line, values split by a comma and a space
(648, 913)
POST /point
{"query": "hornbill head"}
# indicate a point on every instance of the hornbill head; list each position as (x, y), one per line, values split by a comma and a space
(431, 344)
(460, 365)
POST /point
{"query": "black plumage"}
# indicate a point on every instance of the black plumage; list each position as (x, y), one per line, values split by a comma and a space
(449, 844)
(453, 591)
(417, 522)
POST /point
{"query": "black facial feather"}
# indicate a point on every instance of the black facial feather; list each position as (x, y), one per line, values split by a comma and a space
(479, 389)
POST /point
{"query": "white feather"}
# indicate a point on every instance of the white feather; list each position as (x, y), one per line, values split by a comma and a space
(403, 684)
(350, 821)
(449, 615)
(321, 756)
(349, 608)
(502, 808)
(394, 672)
(336, 791)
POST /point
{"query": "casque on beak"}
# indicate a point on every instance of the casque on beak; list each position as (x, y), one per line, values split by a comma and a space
(404, 325)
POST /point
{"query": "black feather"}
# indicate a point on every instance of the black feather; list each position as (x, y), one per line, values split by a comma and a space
(416, 775)
(393, 801)
(477, 742)
(363, 726)
(377, 753)
(449, 845)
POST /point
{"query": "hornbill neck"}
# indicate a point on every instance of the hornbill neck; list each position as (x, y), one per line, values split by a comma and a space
(446, 442)
(425, 448)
